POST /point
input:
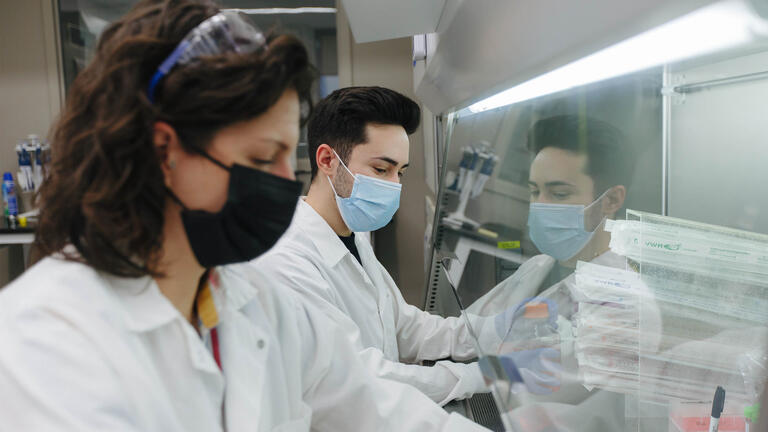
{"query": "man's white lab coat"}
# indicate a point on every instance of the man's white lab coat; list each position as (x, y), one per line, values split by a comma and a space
(86, 351)
(390, 334)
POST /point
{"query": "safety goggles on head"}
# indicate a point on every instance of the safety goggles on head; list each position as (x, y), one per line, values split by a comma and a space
(222, 33)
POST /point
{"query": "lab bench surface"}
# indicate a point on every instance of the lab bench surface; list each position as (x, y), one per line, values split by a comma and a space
(10, 236)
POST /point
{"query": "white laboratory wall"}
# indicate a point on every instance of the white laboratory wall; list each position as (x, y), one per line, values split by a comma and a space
(30, 89)
(719, 147)
(399, 245)
(30, 92)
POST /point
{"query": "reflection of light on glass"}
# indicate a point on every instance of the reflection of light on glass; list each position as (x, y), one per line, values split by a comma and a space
(277, 11)
(704, 31)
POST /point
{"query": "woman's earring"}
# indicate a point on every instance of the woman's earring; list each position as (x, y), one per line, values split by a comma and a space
(172, 164)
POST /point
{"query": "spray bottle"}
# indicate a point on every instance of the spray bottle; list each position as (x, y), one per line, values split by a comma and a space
(10, 204)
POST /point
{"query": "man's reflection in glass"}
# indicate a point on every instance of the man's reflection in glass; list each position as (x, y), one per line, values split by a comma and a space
(578, 179)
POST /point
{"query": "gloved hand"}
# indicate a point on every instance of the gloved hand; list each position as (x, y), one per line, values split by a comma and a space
(506, 321)
(539, 369)
(517, 361)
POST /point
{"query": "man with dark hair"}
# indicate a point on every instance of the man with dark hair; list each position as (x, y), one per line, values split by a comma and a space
(342, 118)
(358, 144)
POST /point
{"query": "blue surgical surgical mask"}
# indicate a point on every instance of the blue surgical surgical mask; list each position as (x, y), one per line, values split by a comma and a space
(558, 230)
(371, 204)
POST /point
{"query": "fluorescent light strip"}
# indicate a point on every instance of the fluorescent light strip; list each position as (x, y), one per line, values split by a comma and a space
(279, 11)
(716, 27)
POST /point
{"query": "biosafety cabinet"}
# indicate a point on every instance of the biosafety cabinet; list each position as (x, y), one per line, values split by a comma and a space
(601, 215)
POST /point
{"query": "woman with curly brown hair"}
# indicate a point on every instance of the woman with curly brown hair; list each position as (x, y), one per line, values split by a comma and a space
(171, 165)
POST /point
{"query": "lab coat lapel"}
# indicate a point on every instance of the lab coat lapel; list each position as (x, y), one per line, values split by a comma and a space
(317, 230)
(147, 311)
(365, 277)
(373, 273)
(332, 250)
(361, 286)
(244, 350)
(370, 265)
(382, 288)
(362, 269)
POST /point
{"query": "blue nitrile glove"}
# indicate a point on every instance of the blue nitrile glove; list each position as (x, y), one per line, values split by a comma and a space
(538, 369)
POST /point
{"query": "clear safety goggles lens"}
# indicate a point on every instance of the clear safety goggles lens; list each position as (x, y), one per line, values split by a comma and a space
(222, 33)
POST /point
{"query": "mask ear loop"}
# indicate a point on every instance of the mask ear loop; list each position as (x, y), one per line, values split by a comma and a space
(345, 167)
(343, 164)
(602, 221)
(175, 198)
(333, 188)
(205, 155)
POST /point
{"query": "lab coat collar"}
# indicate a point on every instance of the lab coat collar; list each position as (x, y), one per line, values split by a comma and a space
(239, 291)
(245, 347)
(322, 235)
(146, 308)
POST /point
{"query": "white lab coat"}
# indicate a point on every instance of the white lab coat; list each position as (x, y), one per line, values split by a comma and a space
(391, 335)
(86, 351)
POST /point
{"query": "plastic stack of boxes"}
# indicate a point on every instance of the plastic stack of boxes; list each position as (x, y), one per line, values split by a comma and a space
(689, 314)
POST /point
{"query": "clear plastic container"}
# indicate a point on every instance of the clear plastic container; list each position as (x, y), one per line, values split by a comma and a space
(534, 326)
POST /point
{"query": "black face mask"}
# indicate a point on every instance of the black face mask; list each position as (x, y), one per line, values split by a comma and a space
(258, 210)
